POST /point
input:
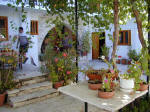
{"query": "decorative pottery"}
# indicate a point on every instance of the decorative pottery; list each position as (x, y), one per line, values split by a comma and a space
(94, 86)
(2, 98)
(105, 95)
(124, 61)
(143, 87)
(126, 85)
(58, 84)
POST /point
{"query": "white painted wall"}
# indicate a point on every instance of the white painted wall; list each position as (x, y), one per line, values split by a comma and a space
(44, 28)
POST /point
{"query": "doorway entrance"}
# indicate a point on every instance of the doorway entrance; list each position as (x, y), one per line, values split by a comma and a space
(98, 41)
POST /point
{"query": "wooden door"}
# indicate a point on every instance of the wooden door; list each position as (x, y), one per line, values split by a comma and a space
(95, 45)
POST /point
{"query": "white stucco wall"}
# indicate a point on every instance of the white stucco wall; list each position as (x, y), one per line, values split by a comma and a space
(122, 50)
(41, 17)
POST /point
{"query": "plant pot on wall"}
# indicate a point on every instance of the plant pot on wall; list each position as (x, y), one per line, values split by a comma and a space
(129, 62)
(2, 98)
(84, 53)
(124, 61)
(118, 61)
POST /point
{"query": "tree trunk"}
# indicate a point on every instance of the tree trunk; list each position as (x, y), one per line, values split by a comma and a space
(139, 24)
(148, 2)
(116, 32)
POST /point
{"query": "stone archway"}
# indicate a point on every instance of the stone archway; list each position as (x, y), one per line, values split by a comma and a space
(53, 32)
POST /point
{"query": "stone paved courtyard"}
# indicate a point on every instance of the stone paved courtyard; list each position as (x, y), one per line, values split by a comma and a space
(60, 103)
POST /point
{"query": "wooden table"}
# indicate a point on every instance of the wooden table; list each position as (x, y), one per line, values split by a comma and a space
(82, 92)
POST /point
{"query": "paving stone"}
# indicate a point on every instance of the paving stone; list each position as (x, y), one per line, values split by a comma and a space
(30, 88)
(32, 97)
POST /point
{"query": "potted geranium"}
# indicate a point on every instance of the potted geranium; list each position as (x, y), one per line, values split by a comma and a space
(60, 62)
(106, 91)
(119, 60)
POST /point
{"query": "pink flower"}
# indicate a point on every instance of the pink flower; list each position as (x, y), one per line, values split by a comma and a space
(65, 54)
(119, 56)
(69, 72)
(56, 60)
(106, 81)
(112, 71)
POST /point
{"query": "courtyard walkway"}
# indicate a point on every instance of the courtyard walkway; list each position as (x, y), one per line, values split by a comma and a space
(60, 103)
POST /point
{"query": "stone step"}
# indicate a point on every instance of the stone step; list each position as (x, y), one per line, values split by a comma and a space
(31, 80)
(30, 88)
(37, 96)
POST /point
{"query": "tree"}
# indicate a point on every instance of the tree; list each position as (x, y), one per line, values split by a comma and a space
(116, 32)
(139, 22)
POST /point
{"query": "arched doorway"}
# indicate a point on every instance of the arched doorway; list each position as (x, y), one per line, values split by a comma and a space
(64, 30)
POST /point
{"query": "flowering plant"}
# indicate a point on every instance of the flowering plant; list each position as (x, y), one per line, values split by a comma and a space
(111, 71)
(8, 61)
(8, 56)
(107, 85)
(59, 60)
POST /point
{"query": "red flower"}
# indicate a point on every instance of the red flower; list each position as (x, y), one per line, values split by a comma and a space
(65, 54)
(119, 56)
(69, 72)
(56, 60)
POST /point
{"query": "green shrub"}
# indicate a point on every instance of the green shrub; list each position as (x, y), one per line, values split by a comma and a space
(133, 55)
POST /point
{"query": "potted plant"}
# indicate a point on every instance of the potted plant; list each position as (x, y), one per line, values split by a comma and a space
(94, 84)
(133, 55)
(126, 83)
(106, 91)
(8, 63)
(132, 79)
(119, 60)
(60, 64)
(95, 74)
(124, 61)
(105, 52)
(85, 44)
(114, 72)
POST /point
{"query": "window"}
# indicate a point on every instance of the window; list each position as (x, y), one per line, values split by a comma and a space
(3, 28)
(124, 37)
(34, 27)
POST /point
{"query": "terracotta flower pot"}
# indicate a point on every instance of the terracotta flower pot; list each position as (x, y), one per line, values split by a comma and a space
(105, 95)
(129, 62)
(94, 86)
(84, 54)
(124, 61)
(2, 98)
(58, 84)
(143, 87)
(94, 76)
(118, 61)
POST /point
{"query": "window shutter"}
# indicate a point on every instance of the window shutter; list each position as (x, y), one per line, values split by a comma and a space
(129, 43)
(5, 28)
(34, 27)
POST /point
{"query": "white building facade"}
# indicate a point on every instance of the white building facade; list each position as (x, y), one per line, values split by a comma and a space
(14, 19)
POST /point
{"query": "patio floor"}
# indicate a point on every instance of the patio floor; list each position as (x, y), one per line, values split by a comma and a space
(61, 103)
